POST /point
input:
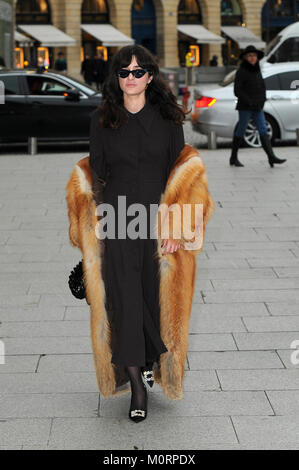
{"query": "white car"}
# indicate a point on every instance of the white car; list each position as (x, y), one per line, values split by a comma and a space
(214, 110)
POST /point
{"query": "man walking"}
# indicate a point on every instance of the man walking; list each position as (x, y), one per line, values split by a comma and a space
(100, 70)
(88, 70)
(60, 63)
(251, 92)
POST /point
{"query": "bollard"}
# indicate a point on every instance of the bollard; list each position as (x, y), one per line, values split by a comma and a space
(297, 134)
(32, 145)
(212, 141)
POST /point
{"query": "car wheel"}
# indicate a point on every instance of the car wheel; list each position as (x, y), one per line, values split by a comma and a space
(252, 136)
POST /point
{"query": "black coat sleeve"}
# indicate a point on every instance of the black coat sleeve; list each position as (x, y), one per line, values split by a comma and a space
(98, 165)
(96, 148)
(240, 87)
(176, 144)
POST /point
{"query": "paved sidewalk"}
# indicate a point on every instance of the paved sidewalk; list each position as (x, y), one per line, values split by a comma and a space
(241, 389)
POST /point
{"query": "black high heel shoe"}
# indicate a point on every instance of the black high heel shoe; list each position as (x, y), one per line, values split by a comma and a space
(139, 415)
(147, 374)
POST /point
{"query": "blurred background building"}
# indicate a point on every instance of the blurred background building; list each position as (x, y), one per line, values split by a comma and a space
(6, 32)
(169, 28)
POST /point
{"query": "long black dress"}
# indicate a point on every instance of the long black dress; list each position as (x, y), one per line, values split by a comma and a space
(134, 161)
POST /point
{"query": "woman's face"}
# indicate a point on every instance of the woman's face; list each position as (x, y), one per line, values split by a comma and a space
(132, 85)
(251, 57)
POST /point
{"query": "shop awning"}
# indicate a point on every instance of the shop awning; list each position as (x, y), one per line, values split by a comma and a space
(200, 33)
(107, 34)
(47, 35)
(243, 36)
(20, 38)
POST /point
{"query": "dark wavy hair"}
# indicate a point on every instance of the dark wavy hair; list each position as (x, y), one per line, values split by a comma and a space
(113, 112)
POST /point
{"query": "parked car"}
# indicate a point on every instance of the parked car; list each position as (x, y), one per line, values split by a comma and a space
(215, 110)
(45, 104)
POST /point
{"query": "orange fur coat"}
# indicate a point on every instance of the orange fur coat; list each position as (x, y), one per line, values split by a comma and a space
(186, 184)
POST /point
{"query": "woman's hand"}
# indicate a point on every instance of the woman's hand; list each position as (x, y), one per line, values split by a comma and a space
(170, 246)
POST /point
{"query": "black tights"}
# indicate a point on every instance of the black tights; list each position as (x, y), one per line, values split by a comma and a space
(137, 388)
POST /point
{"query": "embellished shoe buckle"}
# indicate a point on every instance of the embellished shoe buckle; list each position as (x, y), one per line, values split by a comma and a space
(138, 413)
(148, 375)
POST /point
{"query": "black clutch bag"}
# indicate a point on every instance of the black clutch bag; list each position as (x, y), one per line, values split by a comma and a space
(76, 281)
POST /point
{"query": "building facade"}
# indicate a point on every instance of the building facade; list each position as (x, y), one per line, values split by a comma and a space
(169, 28)
(6, 31)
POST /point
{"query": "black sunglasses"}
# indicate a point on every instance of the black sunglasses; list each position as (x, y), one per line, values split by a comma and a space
(138, 73)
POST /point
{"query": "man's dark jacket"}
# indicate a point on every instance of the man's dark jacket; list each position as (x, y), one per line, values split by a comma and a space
(250, 87)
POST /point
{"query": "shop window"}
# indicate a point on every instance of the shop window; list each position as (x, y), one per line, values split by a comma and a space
(19, 57)
(281, 8)
(276, 15)
(143, 23)
(231, 13)
(95, 11)
(189, 12)
(32, 12)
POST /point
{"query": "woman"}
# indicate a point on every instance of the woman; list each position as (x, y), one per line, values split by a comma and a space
(251, 92)
(136, 135)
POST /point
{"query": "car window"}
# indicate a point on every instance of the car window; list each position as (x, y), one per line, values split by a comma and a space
(11, 84)
(46, 86)
(288, 51)
(272, 83)
(289, 78)
(88, 90)
(270, 46)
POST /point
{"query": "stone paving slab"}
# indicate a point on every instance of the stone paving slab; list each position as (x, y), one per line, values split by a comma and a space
(277, 324)
(204, 323)
(240, 385)
(265, 341)
(119, 433)
(16, 364)
(66, 363)
(50, 345)
(237, 309)
(45, 329)
(50, 382)
(286, 356)
(18, 432)
(211, 342)
(200, 403)
(234, 360)
(273, 430)
(284, 402)
(259, 379)
(35, 405)
(283, 308)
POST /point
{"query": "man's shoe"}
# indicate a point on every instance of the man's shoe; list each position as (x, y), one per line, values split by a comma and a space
(266, 144)
(235, 147)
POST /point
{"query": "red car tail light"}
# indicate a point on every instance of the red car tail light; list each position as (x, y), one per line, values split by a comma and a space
(205, 102)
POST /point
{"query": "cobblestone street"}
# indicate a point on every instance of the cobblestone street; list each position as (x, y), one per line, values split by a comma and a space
(241, 390)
